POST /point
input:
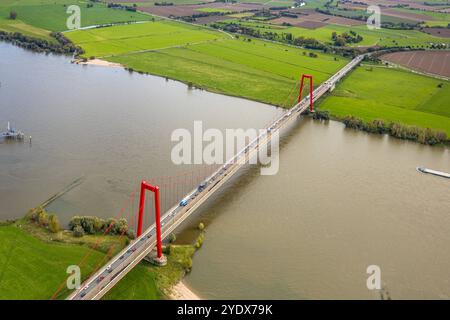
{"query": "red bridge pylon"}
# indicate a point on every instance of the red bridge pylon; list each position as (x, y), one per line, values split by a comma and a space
(155, 189)
(310, 77)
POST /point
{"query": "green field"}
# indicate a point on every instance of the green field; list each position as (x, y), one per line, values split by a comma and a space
(381, 37)
(253, 69)
(39, 17)
(393, 95)
(122, 39)
(33, 269)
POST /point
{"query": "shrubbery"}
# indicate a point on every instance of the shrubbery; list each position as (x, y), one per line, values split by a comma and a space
(172, 238)
(78, 231)
(321, 115)
(199, 241)
(44, 219)
(63, 46)
(422, 135)
(53, 224)
(93, 225)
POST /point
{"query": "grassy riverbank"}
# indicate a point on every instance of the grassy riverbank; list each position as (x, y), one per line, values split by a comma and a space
(34, 269)
(33, 264)
(392, 95)
(209, 59)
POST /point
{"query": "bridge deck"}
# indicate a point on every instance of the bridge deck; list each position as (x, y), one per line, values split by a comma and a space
(106, 277)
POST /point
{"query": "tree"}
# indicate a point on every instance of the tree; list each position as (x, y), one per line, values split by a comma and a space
(13, 15)
(99, 224)
(87, 223)
(74, 222)
(53, 223)
(172, 238)
(43, 218)
(122, 226)
(78, 232)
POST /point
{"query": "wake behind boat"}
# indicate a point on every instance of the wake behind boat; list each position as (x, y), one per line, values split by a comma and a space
(434, 172)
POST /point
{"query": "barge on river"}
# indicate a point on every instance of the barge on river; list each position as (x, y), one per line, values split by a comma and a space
(434, 172)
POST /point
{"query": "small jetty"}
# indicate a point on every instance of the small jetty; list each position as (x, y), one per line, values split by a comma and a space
(434, 172)
(12, 133)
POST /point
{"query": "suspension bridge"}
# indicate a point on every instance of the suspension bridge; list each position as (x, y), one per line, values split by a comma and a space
(107, 276)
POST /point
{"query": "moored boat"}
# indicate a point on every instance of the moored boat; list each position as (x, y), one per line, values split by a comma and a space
(12, 133)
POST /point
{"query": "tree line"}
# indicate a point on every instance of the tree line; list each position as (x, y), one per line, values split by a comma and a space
(61, 46)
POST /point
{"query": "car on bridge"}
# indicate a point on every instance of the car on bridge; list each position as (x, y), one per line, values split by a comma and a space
(201, 186)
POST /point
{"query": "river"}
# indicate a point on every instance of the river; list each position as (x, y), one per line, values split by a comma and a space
(104, 124)
(342, 200)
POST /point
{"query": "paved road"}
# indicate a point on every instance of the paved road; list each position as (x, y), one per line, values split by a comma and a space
(106, 277)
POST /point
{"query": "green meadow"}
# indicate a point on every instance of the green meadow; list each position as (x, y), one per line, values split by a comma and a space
(39, 17)
(243, 67)
(116, 40)
(33, 269)
(393, 95)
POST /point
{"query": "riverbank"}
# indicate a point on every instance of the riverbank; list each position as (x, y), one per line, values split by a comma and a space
(22, 241)
(181, 291)
(391, 95)
(97, 62)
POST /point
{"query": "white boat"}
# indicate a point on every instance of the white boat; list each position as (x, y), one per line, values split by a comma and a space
(12, 133)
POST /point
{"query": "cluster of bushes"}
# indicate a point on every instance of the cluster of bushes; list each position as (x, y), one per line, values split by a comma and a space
(278, 8)
(81, 225)
(44, 219)
(62, 46)
(194, 17)
(321, 115)
(345, 38)
(199, 241)
(288, 14)
(163, 3)
(123, 7)
(422, 135)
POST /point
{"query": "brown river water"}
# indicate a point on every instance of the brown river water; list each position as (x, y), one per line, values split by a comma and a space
(342, 200)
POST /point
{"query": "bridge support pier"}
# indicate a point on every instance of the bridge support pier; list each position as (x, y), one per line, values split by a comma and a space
(310, 78)
(155, 189)
(153, 258)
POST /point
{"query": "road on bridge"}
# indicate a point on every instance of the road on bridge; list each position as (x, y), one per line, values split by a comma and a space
(106, 277)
